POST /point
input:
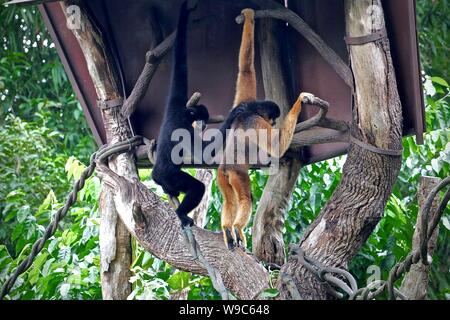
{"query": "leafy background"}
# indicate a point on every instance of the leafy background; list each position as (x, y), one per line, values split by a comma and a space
(45, 144)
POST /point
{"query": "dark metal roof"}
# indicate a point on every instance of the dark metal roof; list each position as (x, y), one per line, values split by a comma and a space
(213, 50)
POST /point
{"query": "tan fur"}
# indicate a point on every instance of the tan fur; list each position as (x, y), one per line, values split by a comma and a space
(246, 80)
(229, 208)
(240, 181)
(286, 132)
(233, 179)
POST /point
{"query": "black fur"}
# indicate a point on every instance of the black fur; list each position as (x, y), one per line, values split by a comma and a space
(243, 116)
(168, 174)
(269, 110)
(165, 173)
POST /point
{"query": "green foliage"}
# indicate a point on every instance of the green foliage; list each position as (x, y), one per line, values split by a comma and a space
(391, 240)
(33, 84)
(29, 168)
(45, 139)
(41, 126)
(434, 36)
(68, 266)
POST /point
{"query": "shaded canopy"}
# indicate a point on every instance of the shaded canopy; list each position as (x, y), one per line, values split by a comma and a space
(214, 40)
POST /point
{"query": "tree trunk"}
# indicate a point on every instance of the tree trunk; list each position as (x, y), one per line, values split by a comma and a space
(267, 235)
(157, 228)
(415, 283)
(337, 234)
(145, 215)
(357, 205)
(115, 242)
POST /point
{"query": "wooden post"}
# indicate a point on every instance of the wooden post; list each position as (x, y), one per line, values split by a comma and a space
(358, 203)
(415, 283)
(115, 242)
(267, 235)
(152, 221)
(199, 214)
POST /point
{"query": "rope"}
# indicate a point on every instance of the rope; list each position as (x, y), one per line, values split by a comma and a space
(324, 274)
(103, 153)
(349, 286)
(197, 254)
(190, 240)
(50, 231)
(372, 37)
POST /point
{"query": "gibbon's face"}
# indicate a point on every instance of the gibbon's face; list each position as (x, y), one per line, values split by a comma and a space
(200, 115)
(269, 111)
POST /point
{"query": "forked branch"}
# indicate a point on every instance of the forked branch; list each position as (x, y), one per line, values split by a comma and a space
(278, 11)
(152, 60)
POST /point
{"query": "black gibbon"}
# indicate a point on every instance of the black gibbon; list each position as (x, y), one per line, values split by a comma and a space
(165, 172)
(233, 179)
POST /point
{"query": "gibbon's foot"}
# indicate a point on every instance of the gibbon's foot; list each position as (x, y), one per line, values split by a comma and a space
(229, 239)
(240, 238)
(186, 221)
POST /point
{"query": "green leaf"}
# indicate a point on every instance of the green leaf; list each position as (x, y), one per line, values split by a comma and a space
(179, 280)
(446, 222)
(270, 293)
(440, 81)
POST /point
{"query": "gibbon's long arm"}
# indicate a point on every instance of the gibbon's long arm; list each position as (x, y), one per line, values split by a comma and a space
(179, 78)
(246, 80)
(279, 141)
(165, 172)
(233, 180)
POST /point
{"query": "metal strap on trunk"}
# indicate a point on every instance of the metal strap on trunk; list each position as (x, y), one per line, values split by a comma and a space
(385, 152)
(108, 104)
(355, 41)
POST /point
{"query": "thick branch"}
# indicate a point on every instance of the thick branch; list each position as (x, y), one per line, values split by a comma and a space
(152, 58)
(314, 121)
(320, 119)
(358, 203)
(199, 214)
(415, 283)
(267, 233)
(279, 11)
(315, 136)
(157, 228)
(115, 244)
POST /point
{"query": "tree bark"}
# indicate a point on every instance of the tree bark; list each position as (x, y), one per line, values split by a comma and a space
(357, 205)
(415, 283)
(267, 234)
(337, 234)
(115, 241)
(199, 214)
(146, 216)
(157, 228)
